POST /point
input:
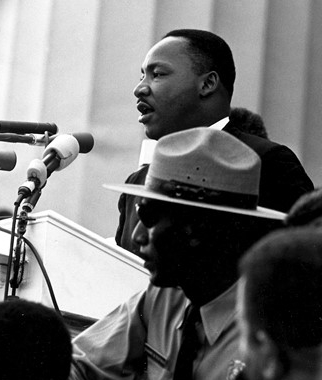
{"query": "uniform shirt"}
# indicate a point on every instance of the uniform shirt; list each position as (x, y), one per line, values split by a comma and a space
(141, 338)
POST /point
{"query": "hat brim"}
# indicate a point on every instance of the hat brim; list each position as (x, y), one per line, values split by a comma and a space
(141, 191)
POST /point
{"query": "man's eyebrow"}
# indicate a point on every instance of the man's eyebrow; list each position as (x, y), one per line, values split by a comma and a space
(152, 66)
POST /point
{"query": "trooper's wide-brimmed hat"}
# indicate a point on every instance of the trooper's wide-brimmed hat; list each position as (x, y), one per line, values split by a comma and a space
(206, 168)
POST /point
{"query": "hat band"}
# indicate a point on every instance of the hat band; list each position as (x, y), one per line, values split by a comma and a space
(176, 189)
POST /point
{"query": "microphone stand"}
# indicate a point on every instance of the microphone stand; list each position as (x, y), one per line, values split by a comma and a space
(18, 261)
(30, 138)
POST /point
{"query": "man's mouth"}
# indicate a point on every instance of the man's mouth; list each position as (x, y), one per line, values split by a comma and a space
(148, 263)
(144, 108)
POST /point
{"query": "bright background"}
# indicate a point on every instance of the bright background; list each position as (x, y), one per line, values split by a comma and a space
(75, 63)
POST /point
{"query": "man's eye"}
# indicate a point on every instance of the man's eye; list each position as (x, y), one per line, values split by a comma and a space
(157, 74)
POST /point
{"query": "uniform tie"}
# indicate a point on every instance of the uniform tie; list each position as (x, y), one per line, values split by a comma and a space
(189, 345)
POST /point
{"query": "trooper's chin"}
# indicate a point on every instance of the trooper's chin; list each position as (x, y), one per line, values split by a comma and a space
(161, 282)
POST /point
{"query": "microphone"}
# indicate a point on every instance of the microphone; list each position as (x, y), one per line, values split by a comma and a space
(8, 160)
(23, 127)
(30, 203)
(85, 140)
(61, 152)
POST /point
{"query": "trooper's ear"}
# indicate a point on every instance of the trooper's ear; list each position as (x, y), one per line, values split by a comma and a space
(209, 83)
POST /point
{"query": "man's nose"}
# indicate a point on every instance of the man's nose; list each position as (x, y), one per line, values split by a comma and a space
(142, 89)
(140, 234)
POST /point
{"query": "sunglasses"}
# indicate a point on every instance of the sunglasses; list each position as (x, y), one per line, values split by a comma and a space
(149, 214)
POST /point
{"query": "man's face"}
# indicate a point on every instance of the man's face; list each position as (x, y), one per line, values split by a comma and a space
(168, 92)
(160, 241)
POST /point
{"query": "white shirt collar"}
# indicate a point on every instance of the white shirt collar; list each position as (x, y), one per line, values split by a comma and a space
(219, 125)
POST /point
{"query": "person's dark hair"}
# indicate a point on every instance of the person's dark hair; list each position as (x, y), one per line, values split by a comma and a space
(35, 344)
(248, 122)
(283, 293)
(209, 52)
(306, 210)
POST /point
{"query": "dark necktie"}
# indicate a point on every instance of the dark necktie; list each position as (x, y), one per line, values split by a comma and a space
(189, 345)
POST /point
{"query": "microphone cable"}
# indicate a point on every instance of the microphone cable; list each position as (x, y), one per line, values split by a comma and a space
(13, 234)
(39, 261)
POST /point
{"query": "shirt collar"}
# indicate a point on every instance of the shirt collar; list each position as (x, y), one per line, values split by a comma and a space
(218, 313)
(220, 124)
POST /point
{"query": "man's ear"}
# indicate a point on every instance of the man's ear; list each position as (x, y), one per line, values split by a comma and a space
(209, 83)
(269, 354)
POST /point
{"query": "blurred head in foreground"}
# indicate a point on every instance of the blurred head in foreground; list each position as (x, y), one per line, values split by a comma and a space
(306, 210)
(280, 304)
(35, 344)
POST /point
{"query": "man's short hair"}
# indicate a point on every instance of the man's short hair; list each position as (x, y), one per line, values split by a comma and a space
(283, 293)
(209, 52)
(306, 210)
(248, 121)
(35, 344)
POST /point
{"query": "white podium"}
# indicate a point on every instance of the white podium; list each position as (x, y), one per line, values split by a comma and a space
(90, 275)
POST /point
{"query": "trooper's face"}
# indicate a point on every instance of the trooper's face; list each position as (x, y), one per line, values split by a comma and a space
(154, 233)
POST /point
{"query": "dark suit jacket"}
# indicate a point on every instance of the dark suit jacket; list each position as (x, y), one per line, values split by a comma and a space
(283, 181)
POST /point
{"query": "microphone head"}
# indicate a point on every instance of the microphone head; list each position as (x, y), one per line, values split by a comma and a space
(8, 160)
(66, 147)
(37, 169)
(85, 141)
